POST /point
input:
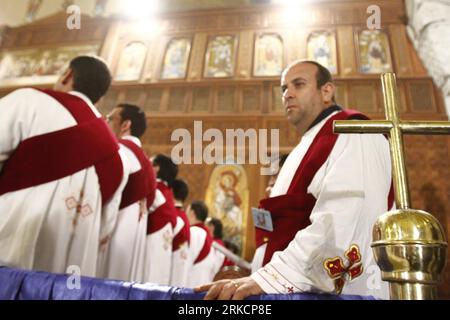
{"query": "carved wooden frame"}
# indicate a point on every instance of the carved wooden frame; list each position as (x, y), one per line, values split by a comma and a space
(234, 55)
(160, 68)
(283, 54)
(356, 33)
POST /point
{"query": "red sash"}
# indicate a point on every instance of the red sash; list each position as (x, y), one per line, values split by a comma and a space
(184, 234)
(206, 245)
(164, 214)
(141, 184)
(52, 156)
(290, 212)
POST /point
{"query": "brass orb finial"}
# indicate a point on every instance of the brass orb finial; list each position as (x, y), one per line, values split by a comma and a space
(411, 251)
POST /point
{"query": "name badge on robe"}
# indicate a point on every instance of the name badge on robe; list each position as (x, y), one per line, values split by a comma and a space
(262, 219)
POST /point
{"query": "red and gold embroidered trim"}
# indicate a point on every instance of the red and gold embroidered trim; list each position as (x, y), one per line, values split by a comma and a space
(287, 288)
(341, 273)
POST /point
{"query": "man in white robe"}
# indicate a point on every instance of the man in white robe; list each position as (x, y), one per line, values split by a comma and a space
(180, 245)
(126, 251)
(161, 223)
(61, 175)
(330, 192)
(215, 227)
(202, 254)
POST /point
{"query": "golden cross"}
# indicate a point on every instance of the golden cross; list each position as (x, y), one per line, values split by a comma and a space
(408, 245)
(395, 128)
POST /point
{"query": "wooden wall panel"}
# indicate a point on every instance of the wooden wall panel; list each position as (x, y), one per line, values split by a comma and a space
(110, 42)
(155, 56)
(250, 98)
(418, 67)
(135, 96)
(275, 99)
(201, 99)
(225, 100)
(347, 61)
(3, 31)
(297, 45)
(399, 50)
(153, 100)
(420, 97)
(251, 20)
(428, 173)
(107, 103)
(341, 95)
(197, 60)
(230, 21)
(52, 31)
(364, 97)
(245, 54)
(177, 100)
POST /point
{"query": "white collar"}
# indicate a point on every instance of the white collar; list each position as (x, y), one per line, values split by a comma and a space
(314, 130)
(87, 100)
(178, 203)
(162, 181)
(133, 139)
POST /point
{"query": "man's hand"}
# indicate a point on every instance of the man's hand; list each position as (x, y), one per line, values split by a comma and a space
(237, 289)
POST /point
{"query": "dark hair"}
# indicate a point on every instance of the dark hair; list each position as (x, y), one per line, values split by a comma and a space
(91, 77)
(136, 116)
(323, 75)
(180, 190)
(167, 169)
(200, 210)
(218, 227)
(282, 159)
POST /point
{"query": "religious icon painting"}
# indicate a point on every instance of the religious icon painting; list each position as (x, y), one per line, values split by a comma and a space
(32, 10)
(227, 198)
(40, 65)
(374, 53)
(268, 58)
(322, 49)
(176, 59)
(220, 53)
(131, 62)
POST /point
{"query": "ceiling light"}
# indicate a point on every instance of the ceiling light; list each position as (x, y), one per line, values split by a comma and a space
(139, 8)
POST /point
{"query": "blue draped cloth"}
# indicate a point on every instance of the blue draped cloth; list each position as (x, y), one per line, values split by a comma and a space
(17, 284)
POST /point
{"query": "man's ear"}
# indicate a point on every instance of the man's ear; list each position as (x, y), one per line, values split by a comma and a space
(125, 126)
(328, 90)
(67, 77)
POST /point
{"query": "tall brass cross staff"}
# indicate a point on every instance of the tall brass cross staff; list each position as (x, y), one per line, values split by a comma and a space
(409, 245)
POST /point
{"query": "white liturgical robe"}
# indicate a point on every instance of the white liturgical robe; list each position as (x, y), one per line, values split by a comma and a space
(180, 259)
(158, 248)
(125, 254)
(42, 227)
(203, 271)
